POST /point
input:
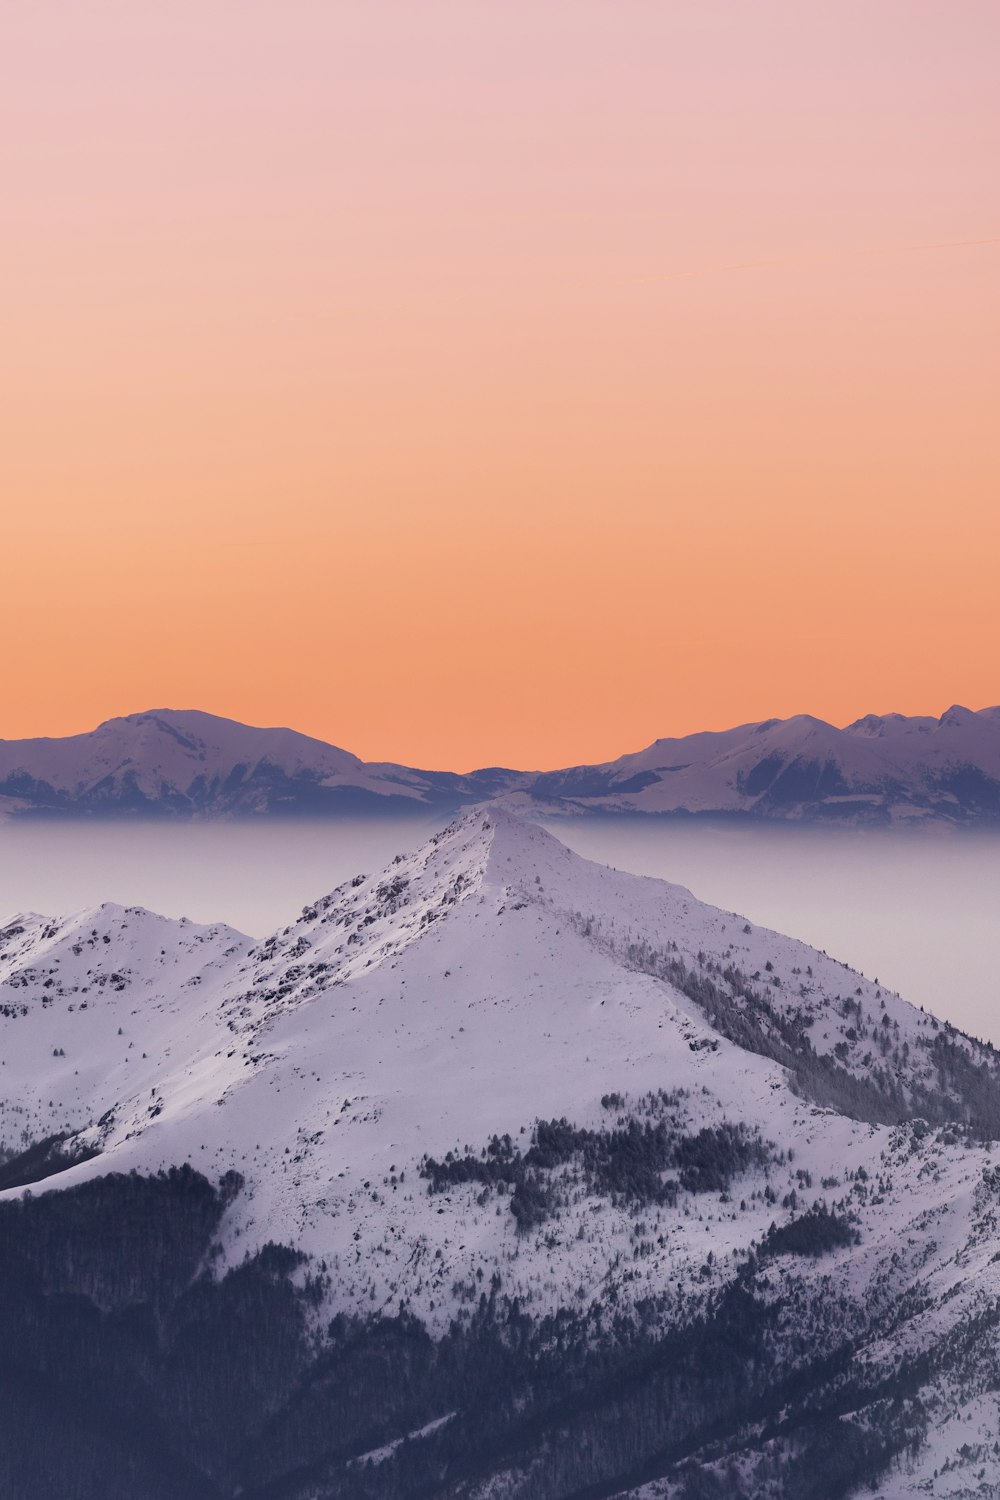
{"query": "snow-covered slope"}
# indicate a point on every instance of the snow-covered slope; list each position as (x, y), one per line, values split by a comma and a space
(881, 768)
(380, 1074)
(183, 762)
(94, 1007)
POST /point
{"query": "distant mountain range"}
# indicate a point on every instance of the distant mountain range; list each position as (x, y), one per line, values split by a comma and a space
(185, 763)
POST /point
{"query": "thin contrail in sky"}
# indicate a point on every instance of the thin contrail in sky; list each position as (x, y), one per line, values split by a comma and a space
(798, 260)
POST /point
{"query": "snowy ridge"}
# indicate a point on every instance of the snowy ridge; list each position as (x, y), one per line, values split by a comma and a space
(356, 1067)
(95, 1002)
(882, 768)
(185, 763)
(372, 918)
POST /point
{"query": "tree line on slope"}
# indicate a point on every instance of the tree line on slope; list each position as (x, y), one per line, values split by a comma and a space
(129, 1372)
(627, 1163)
(964, 1090)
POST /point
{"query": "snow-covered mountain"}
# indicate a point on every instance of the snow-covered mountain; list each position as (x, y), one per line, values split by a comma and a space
(880, 769)
(600, 1191)
(173, 763)
(182, 763)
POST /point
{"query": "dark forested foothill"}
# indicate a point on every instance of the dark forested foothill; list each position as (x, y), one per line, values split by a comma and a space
(42, 1159)
(129, 1372)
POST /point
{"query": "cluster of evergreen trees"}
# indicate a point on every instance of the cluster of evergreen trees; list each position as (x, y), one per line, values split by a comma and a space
(628, 1162)
(814, 1233)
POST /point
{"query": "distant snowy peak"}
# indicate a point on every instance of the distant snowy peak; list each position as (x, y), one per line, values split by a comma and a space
(159, 757)
(880, 769)
(179, 763)
(168, 763)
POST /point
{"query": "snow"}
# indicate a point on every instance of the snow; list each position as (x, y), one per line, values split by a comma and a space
(379, 1455)
(894, 764)
(484, 982)
(162, 753)
(905, 770)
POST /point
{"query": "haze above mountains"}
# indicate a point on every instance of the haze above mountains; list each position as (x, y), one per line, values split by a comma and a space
(172, 763)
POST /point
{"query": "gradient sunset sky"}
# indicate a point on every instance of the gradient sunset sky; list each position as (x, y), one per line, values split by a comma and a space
(498, 380)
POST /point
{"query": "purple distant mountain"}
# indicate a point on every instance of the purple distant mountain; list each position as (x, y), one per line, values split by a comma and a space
(185, 763)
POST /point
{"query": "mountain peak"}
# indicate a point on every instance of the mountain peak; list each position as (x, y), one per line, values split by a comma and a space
(197, 730)
(370, 920)
(957, 716)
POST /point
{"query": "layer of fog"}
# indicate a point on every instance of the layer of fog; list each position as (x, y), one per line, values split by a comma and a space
(918, 911)
(254, 875)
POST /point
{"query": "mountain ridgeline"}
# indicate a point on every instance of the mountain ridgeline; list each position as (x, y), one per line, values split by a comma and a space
(497, 1173)
(186, 764)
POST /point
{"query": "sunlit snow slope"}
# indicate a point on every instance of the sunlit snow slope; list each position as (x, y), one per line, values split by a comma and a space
(490, 981)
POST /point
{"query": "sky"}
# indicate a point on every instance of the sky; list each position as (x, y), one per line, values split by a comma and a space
(498, 381)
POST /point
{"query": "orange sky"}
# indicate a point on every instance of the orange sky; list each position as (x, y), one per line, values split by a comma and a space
(498, 380)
